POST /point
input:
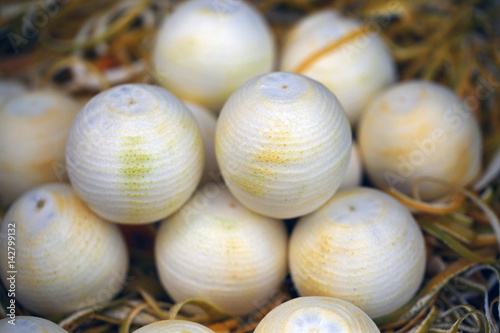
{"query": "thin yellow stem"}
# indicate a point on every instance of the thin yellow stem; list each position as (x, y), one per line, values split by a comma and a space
(332, 47)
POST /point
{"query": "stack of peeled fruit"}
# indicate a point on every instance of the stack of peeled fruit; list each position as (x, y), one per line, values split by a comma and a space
(283, 146)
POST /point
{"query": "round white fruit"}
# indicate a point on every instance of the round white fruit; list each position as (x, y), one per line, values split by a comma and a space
(33, 131)
(316, 314)
(134, 154)
(206, 49)
(420, 129)
(283, 143)
(356, 71)
(362, 246)
(216, 249)
(67, 258)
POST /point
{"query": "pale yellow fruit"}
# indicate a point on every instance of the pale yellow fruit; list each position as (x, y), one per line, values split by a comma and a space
(134, 154)
(28, 324)
(33, 131)
(362, 246)
(206, 49)
(355, 72)
(174, 326)
(354, 174)
(207, 122)
(283, 144)
(67, 258)
(216, 249)
(418, 129)
(9, 89)
(316, 314)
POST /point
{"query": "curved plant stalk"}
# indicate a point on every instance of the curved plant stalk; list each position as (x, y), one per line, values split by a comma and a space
(477, 315)
(385, 9)
(427, 322)
(404, 53)
(119, 49)
(488, 212)
(462, 219)
(431, 208)
(492, 304)
(491, 173)
(71, 323)
(125, 326)
(455, 245)
(106, 319)
(154, 305)
(437, 60)
(451, 314)
(113, 29)
(456, 229)
(213, 312)
(416, 184)
(364, 30)
(414, 321)
(119, 313)
(482, 240)
(488, 307)
(487, 195)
